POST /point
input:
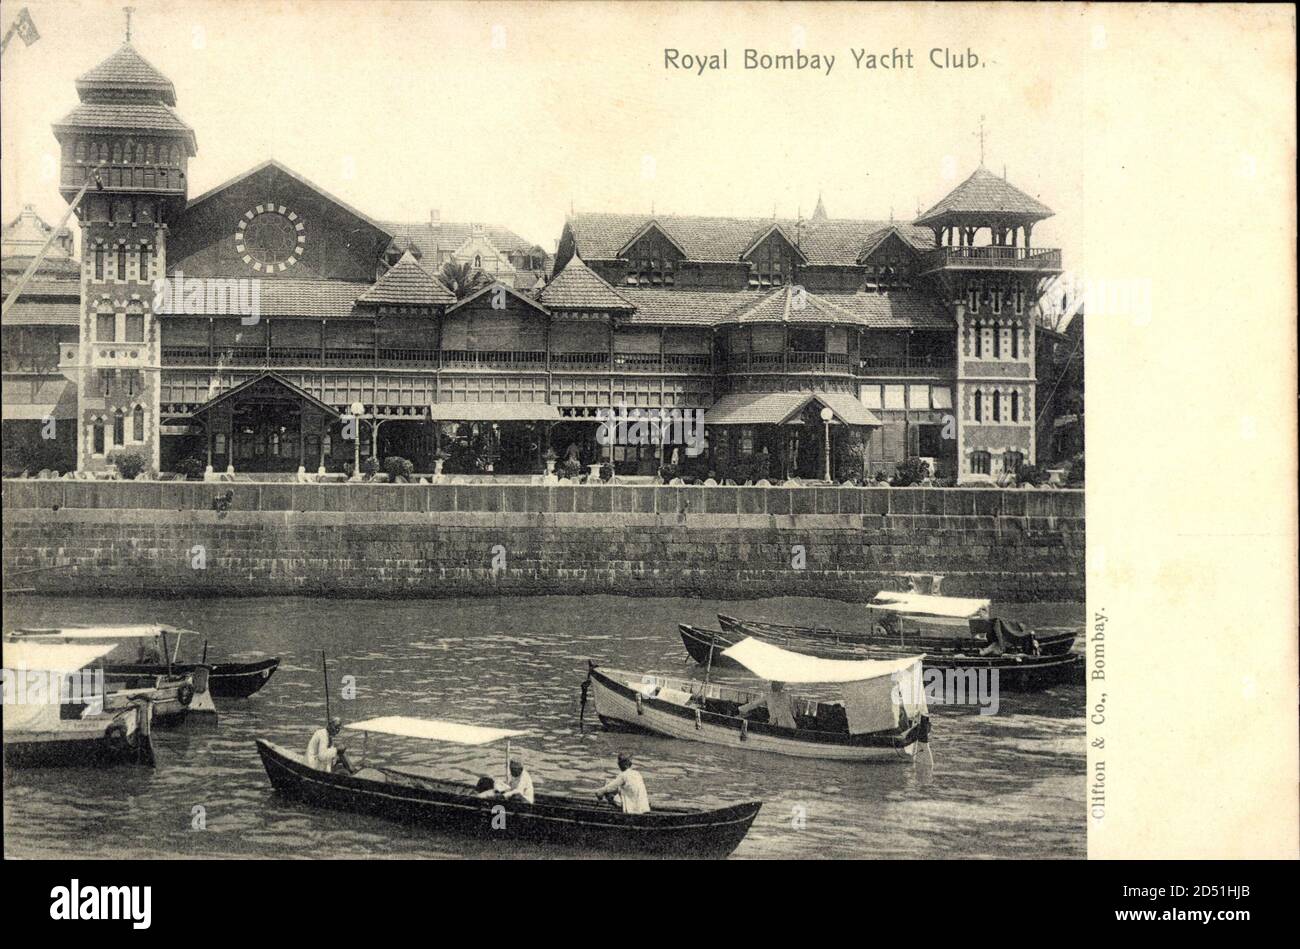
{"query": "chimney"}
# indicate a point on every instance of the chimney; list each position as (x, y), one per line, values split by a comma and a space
(476, 230)
(435, 216)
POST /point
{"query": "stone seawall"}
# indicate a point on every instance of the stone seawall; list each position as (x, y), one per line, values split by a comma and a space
(243, 539)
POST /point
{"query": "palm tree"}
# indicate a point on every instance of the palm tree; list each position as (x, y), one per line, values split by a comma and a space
(462, 279)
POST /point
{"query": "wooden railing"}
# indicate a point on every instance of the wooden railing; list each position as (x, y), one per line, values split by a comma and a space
(791, 361)
(898, 364)
(153, 177)
(526, 360)
(993, 257)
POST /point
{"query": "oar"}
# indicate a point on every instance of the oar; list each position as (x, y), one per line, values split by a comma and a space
(708, 667)
(326, 669)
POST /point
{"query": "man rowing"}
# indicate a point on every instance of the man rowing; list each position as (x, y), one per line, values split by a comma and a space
(521, 783)
(780, 711)
(627, 789)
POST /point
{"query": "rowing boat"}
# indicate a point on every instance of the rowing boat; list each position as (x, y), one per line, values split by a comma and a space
(1017, 672)
(881, 716)
(454, 808)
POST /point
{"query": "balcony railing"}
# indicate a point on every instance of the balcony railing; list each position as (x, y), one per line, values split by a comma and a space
(792, 361)
(146, 177)
(523, 361)
(993, 257)
(890, 365)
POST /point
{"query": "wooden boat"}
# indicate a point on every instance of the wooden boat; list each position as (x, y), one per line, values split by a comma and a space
(178, 696)
(1017, 672)
(882, 716)
(921, 622)
(454, 808)
(236, 680)
(72, 721)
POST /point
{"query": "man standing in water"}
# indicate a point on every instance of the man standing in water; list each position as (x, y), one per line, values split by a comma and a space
(627, 789)
(321, 753)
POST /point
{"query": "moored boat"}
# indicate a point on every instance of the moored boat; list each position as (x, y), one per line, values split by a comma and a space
(924, 623)
(1017, 672)
(56, 711)
(455, 808)
(881, 715)
(138, 659)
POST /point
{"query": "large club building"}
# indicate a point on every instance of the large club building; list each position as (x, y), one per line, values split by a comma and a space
(285, 310)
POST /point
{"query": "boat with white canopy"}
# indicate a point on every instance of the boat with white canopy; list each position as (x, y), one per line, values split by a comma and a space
(57, 710)
(139, 657)
(456, 808)
(878, 711)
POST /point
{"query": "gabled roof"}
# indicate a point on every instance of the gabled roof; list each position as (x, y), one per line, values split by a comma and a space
(577, 287)
(145, 116)
(285, 170)
(523, 298)
(877, 238)
(985, 193)
(651, 225)
(408, 284)
(832, 242)
(778, 408)
(127, 70)
(788, 305)
(426, 239)
(302, 394)
(763, 235)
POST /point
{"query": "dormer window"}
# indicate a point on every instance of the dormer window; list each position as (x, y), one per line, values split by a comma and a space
(771, 265)
(651, 271)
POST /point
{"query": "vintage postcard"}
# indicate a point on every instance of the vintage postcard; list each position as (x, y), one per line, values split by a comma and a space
(521, 430)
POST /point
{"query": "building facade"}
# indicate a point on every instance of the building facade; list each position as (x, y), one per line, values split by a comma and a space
(286, 322)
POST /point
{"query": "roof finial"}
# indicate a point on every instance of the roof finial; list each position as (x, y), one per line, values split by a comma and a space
(981, 135)
(128, 11)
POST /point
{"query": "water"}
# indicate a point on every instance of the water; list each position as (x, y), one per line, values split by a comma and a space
(1007, 785)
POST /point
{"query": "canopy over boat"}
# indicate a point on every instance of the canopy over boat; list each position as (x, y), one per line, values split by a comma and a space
(430, 729)
(925, 605)
(873, 689)
(62, 658)
(96, 632)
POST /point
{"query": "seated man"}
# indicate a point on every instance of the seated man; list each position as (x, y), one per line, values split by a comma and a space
(627, 789)
(521, 783)
(486, 787)
(321, 752)
(780, 711)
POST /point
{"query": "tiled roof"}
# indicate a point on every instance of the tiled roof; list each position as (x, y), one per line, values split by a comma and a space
(578, 287)
(322, 299)
(408, 284)
(427, 239)
(127, 115)
(685, 307)
(894, 309)
(787, 305)
(773, 408)
(45, 283)
(127, 69)
(27, 312)
(524, 297)
(830, 242)
(984, 191)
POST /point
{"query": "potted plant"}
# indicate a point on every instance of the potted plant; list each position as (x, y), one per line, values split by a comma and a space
(439, 459)
(398, 469)
(571, 469)
(129, 464)
(368, 468)
(550, 457)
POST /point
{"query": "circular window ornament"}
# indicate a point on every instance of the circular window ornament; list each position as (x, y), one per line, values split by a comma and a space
(270, 238)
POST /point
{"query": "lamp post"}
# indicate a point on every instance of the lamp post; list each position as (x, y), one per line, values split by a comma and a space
(827, 415)
(357, 410)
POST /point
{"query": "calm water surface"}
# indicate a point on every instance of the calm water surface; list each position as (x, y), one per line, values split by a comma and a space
(1006, 785)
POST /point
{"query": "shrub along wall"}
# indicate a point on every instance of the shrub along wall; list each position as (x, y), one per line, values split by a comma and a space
(238, 539)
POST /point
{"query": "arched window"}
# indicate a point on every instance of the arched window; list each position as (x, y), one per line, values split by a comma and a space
(105, 325)
(981, 462)
(1011, 462)
(134, 325)
(149, 154)
(997, 406)
(137, 424)
(81, 151)
(121, 261)
(117, 153)
(478, 261)
(219, 443)
(139, 154)
(1015, 406)
(97, 437)
(99, 261)
(144, 261)
(979, 406)
(176, 157)
(326, 444)
(119, 429)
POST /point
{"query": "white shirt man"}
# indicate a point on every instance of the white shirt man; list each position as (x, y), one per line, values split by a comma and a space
(521, 783)
(627, 789)
(321, 753)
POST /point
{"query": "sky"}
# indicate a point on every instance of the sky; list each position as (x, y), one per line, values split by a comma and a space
(515, 114)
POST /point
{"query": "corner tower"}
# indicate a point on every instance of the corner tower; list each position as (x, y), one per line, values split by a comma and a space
(127, 141)
(986, 268)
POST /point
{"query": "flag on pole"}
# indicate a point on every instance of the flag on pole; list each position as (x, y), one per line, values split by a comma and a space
(27, 31)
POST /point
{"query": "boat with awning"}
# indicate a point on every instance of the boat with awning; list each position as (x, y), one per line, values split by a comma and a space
(848, 710)
(452, 807)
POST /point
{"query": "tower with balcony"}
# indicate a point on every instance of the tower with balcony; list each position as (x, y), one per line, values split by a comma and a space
(984, 262)
(125, 139)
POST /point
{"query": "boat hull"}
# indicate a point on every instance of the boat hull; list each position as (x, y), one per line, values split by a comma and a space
(1050, 644)
(83, 743)
(565, 822)
(1016, 672)
(234, 680)
(618, 708)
